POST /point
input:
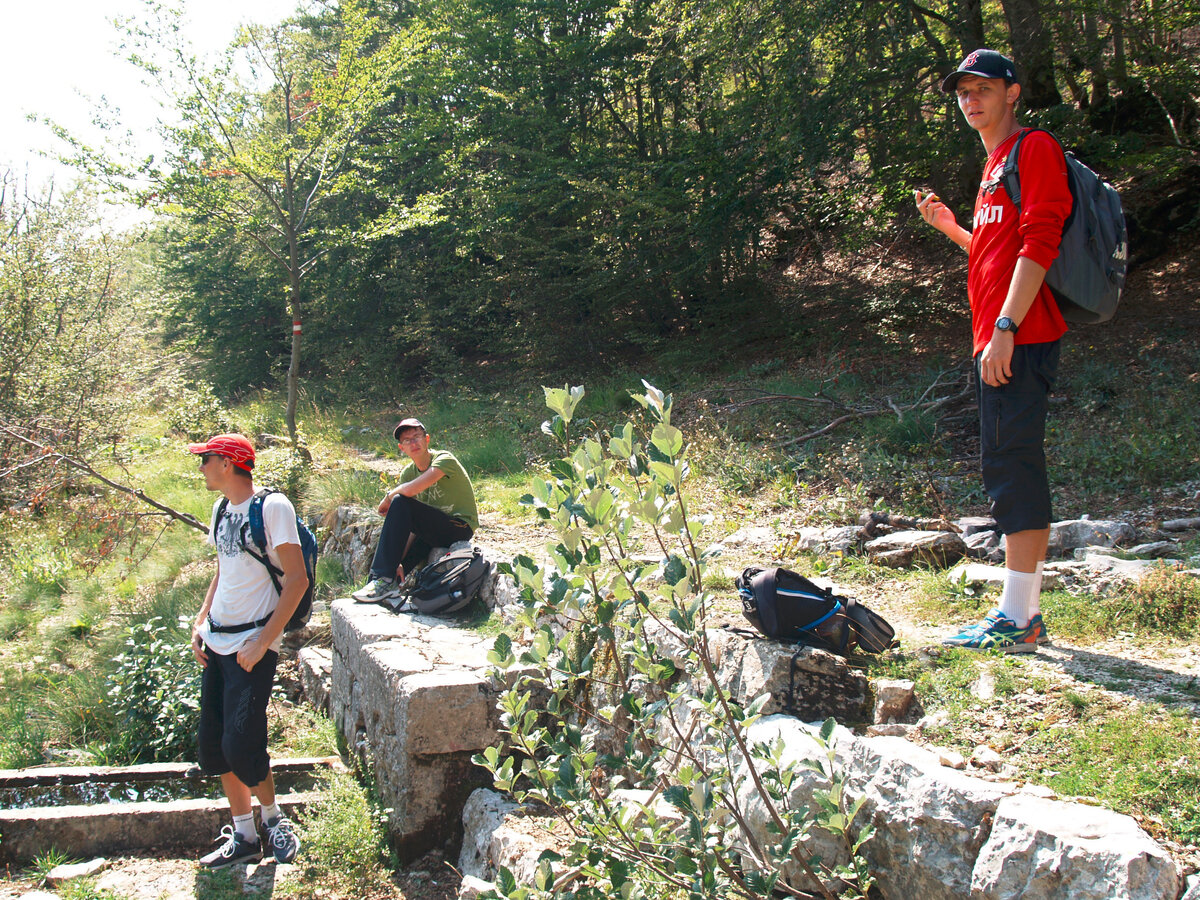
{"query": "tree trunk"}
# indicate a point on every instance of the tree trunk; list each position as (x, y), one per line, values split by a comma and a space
(968, 25)
(1034, 52)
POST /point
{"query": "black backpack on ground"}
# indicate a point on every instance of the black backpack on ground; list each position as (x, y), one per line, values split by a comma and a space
(449, 584)
(788, 607)
(258, 534)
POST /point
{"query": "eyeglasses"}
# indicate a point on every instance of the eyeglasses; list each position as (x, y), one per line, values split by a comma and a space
(411, 441)
(205, 457)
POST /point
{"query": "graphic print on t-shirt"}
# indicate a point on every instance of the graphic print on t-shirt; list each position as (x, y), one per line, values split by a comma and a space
(229, 536)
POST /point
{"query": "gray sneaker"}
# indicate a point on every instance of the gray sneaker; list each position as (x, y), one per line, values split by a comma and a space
(281, 838)
(377, 590)
(236, 849)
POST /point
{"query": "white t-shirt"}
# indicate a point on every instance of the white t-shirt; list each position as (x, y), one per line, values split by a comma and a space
(245, 592)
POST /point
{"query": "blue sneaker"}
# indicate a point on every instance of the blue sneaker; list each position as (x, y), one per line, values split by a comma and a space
(1039, 628)
(997, 632)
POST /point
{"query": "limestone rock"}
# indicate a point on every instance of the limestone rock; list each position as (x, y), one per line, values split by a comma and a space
(1043, 849)
(822, 684)
(952, 759)
(1155, 550)
(906, 548)
(984, 545)
(1193, 888)
(798, 745)
(1116, 567)
(483, 814)
(1192, 524)
(987, 758)
(976, 575)
(972, 525)
(316, 673)
(472, 888)
(69, 871)
(893, 699)
(1073, 534)
(750, 536)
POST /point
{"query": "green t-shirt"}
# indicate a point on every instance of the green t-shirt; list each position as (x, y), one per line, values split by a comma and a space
(452, 493)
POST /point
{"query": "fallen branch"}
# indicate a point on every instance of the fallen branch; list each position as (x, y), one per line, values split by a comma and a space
(49, 454)
(876, 411)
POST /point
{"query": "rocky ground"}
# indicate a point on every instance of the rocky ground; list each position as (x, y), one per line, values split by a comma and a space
(1123, 669)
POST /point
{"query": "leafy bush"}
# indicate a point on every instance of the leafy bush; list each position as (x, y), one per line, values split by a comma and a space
(615, 691)
(1164, 599)
(155, 694)
(194, 411)
(343, 838)
(282, 468)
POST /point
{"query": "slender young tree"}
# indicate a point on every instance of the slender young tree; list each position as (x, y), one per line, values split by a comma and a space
(257, 142)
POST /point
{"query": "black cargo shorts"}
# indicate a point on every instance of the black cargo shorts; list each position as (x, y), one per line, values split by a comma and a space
(1012, 432)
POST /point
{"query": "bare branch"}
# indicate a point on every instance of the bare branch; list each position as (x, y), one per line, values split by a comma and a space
(49, 454)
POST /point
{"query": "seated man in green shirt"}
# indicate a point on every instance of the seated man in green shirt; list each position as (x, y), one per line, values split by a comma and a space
(444, 514)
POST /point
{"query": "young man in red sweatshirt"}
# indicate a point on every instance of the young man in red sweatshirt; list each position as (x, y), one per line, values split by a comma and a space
(1016, 327)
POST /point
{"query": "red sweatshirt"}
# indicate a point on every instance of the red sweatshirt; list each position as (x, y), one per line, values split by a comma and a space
(998, 238)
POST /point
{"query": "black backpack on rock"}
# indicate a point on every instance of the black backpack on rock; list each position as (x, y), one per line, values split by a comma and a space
(788, 607)
(449, 584)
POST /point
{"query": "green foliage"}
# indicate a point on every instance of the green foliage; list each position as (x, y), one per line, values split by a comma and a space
(194, 412)
(154, 693)
(282, 468)
(344, 841)
(632, 672)
(70, 336)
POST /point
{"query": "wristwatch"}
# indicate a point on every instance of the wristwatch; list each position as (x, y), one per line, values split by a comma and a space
(1004, 323)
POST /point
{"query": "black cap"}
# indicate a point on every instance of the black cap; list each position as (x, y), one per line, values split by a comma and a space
(985, 64)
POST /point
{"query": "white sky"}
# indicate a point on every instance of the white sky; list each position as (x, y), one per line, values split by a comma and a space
(58, 57)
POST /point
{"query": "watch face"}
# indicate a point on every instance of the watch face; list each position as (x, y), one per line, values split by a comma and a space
(1004, 323)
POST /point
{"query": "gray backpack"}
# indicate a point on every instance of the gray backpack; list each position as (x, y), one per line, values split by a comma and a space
(449, 584)
(1088, 275)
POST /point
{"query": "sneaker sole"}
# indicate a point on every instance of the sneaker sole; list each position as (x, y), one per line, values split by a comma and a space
(225, 864)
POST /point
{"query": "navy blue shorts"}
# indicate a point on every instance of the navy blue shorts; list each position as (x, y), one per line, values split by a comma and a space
(1012, 438)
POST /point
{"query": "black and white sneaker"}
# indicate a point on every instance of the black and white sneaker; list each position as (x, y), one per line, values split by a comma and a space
(281, 838)
(235, 850)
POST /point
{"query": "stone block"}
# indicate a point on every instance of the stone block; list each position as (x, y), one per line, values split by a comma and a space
(906, 548)
(1041, 849)
(316, 673)
(413, 695)
(1068, 536)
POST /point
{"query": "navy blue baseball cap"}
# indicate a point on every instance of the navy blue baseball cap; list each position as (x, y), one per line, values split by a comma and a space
(985, 64)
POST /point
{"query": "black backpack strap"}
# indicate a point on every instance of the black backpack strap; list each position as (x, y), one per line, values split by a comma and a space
(1011, 176)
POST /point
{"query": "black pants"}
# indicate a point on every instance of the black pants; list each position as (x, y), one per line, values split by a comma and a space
(1012, 432)
(233, 717)
(429, 528)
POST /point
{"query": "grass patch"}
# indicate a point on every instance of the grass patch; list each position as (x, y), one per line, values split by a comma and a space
(344, 841)
(302, 731)
(1151, 766)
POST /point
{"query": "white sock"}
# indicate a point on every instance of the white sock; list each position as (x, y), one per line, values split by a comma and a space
(1020, 589)
(270, 812)
(244, 826)
(1035, 605)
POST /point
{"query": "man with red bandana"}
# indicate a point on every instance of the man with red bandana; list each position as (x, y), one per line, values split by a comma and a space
(1016, 327)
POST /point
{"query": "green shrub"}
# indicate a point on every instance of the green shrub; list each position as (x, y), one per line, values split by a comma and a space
(343, 838)
(155, 694)
(1164, 599)
(195, 412)
(281, 468)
